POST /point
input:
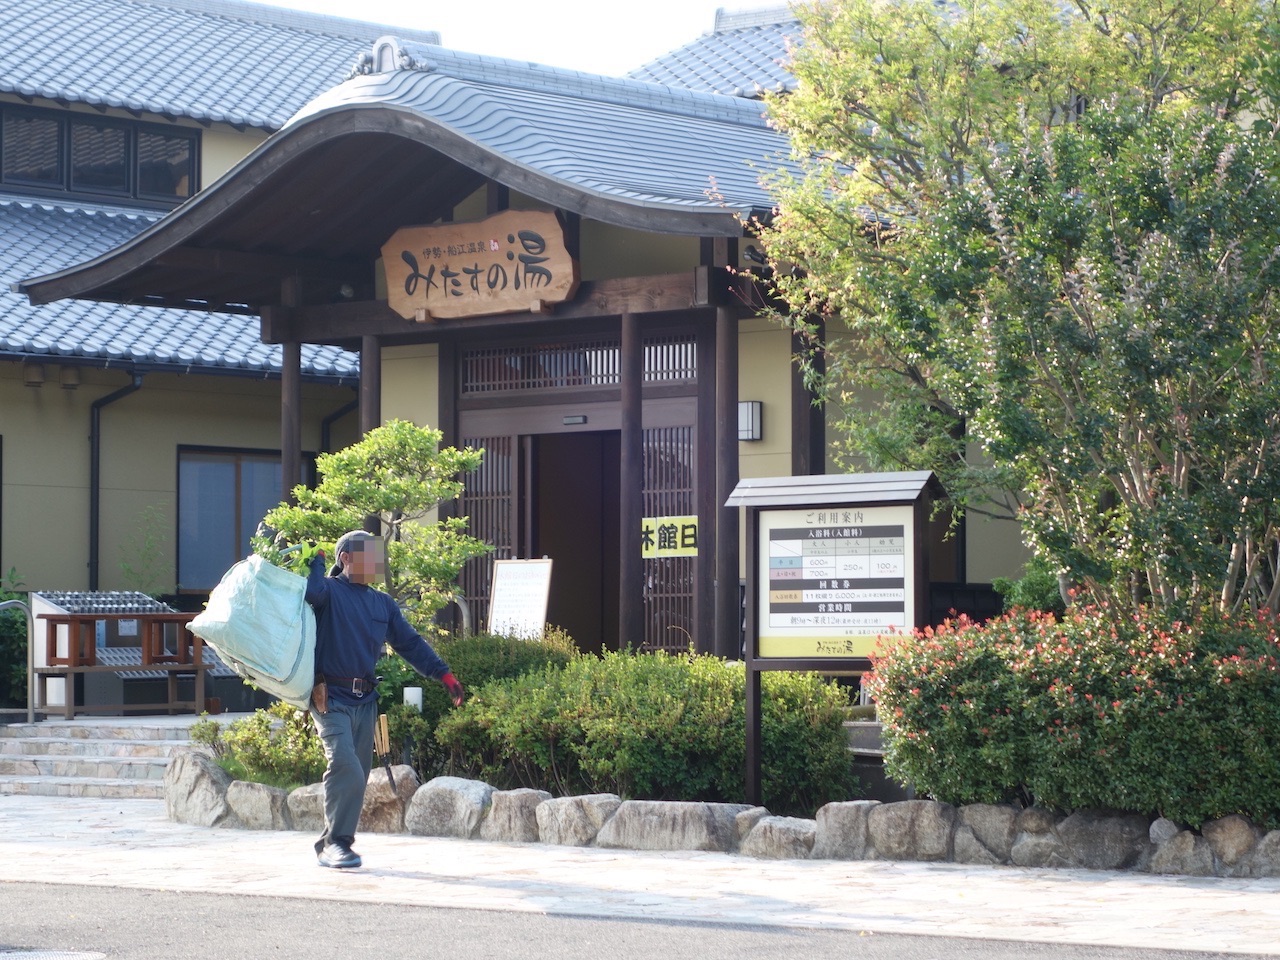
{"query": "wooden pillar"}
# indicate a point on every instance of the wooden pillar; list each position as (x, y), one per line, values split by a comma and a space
(704, 600)
(370, 384)
(631, 492)
(290, 398)
(808, 420)
(728, 610)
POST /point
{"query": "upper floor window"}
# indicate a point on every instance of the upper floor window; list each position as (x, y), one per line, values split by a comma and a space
(47, 152)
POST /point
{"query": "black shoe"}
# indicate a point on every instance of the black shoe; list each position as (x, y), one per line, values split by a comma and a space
(339, 856)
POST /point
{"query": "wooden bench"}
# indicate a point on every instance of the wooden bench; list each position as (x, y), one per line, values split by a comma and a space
(154, 658)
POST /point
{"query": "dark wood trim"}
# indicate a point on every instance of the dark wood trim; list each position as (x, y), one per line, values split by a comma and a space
(808, 422)
(563, 395)
(631, 489)
(718, 254)
(728, 627)
(704, 600)
(262, 264)
(370, 384)
(290, 400)
(342, 323)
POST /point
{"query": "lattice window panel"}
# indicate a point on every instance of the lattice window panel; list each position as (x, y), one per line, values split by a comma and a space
(486, 500)
(668, 581)
(573, 364)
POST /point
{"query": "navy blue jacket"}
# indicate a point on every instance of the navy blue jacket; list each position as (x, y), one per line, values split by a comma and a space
(353, 622)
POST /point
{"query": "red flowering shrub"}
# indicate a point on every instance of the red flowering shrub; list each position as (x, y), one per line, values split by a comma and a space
(1129, 712)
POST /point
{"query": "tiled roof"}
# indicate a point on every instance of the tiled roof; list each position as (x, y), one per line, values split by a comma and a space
(34, 238)
(210, 60)
(622, 140)
(743, 56)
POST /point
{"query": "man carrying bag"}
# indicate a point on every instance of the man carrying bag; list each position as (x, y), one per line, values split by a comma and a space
(353, 622)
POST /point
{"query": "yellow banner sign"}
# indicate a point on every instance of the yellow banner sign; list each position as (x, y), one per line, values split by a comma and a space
(669, 537)
(513, 261)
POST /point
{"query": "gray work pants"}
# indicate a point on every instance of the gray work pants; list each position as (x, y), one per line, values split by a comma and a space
(347, 732)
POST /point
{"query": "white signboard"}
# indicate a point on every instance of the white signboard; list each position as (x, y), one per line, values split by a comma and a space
(518, 598)
(832, 580)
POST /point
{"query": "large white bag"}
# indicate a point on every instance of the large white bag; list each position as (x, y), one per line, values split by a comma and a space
(259, 622)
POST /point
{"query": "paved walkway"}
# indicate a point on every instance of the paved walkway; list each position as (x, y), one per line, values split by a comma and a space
(131, 843)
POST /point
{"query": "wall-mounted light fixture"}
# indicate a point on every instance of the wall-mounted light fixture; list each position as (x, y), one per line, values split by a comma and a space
(576, 420)
(33, 375)
(750, 419)
(69, 377)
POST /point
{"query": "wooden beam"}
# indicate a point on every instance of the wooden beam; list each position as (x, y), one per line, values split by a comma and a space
(261, 264)
(338, 322)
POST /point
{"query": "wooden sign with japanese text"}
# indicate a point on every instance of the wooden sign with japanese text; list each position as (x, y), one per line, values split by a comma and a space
(513, 261)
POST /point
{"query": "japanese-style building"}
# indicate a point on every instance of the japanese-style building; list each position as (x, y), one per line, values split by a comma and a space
(548, 265)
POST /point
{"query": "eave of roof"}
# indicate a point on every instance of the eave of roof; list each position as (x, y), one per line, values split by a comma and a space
(34, 235)
(623, 152)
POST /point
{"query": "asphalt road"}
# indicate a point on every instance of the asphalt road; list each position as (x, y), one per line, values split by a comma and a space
(41, 921)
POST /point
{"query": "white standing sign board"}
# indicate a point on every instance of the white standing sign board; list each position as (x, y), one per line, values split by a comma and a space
(518, 598)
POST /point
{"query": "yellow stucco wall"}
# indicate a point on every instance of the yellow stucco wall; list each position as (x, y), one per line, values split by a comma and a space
(221, 148)
(44, 514)
(764, 374)
(410, 384)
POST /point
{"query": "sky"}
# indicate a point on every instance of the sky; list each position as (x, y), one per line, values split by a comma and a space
(597, 36)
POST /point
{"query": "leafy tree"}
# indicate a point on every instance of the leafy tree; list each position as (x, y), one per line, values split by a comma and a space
(1053, 233)
(397, 473)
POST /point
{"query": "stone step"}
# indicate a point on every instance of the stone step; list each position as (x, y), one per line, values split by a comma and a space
(67, 747)
(105, 787)
(153, 728)
(113, 768)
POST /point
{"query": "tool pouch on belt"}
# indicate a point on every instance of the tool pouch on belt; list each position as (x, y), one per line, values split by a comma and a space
(320, 696)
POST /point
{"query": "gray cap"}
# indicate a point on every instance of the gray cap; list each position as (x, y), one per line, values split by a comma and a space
(344, 546)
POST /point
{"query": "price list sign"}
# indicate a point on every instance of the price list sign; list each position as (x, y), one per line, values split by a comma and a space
(832, 581)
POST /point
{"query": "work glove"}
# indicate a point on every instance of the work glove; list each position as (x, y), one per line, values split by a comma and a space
(454, 688)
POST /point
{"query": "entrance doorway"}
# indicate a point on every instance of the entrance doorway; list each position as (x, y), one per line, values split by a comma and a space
(551, 486)
(574, 506)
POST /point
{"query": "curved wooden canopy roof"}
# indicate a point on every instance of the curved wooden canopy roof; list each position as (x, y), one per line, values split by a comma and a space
(318, 199)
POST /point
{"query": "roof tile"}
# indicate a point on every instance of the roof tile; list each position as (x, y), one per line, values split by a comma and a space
(33, 239)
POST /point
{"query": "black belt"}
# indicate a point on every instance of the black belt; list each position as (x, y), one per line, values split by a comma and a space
(357, 685)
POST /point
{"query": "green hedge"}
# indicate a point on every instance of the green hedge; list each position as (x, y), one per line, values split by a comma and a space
(278, 746)
(475, 661)
(654, 726)
(1130, 712)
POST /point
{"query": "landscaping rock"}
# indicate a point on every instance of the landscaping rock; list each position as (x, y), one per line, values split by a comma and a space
(780, 838)
(1231, 838)
(575, 821)
(1038, 850)
(993, 825)
(842, 831)
(448, 807)
(746, 821)
(1162, 830)
(1185, 854)
(967, 848)
(1263, 860)
(513, 816)
(672, 825)
(306, 808)
(195, 791)
(1099, 840)
(384, 808)
(258, 806)
(1036, 820)
(912, 830)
